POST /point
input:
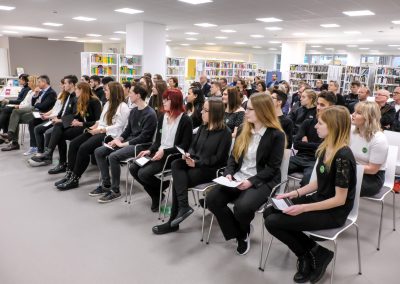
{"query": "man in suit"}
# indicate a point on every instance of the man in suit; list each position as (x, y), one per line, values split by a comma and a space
(205, 87)
(42, 101)
(388, 112)
(396, 105)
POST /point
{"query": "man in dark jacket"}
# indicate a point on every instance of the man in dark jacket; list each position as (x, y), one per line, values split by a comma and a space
(387, 111)
(396, 105)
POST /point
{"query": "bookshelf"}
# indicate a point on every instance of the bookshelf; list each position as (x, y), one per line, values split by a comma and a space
(130, 67)
(363, 74)
(176, 68)
(262, 73)
(216, 69)
(9, 87)
(386, 78)
(309, 73)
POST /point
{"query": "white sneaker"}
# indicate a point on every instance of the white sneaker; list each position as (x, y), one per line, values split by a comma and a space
(32, 150)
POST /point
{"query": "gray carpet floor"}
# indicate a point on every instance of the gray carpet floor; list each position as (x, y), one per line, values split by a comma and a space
(47, 236)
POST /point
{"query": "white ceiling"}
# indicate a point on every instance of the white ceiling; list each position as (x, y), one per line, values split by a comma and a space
(299, 16)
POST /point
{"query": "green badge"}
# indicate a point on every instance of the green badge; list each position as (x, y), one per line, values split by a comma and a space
(364, 150)
(322, 169)
(227, 121)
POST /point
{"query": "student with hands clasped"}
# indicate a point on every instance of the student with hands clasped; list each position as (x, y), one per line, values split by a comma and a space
(328, 206)
(255, 160)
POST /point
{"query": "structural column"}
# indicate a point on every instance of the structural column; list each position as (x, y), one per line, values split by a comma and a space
(148, 40)
(292, 53)
(353, 58)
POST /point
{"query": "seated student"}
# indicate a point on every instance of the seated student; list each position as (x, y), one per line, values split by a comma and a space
(112, 122)
(396, 105)
(42, 100)
(127, 87)
(308, 101)
(352, 97)
(362, 94)
(142, 124)
(329, 205)
(224, 84)
(295, 102)
(208, 152)
(242, 88)
(307, 141)
(85, 78)
(157, 77)
(95, 84)
(86, 111)
(215, 90)
(148, 85)
(255, 161)
(156, 99)
(234, 112)
(279, 98)
(195, 101)
(261, 87)
(318, 85)
(173, 82)
(9, 105)
(370, 146)
(335, 88)
(174, 129)
(388, 112)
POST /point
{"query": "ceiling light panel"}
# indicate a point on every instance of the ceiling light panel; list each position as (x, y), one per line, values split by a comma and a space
(93, 35)
(228, 31)
(359, 13)
(205, 25)
(256, 36)
(221, 37)
(210, 43)
(191, 38)
(120, 32)
(191, 33)
(10, 32)
(52, 24)
(128, 11)
(239, 42)
(85, 19)
(397, 22)
(6, 8)
(196, 2)
(273, 28)
(269, 20)
(330, 25)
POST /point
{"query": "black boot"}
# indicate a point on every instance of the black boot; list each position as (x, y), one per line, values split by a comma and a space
(72, 182)
(183, 213)
(60, 168)
(304, 267)
(321, 257)
(65, 178)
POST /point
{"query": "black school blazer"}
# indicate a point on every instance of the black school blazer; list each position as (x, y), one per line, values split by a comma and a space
(268, 160)
(183, 136)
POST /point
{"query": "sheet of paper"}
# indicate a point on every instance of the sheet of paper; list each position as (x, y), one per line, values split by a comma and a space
(108, 146)
(226, 182)
(180, 150)
(142, 161)
(10, 105)
(36, 114)
(47, 123)
(280, 203)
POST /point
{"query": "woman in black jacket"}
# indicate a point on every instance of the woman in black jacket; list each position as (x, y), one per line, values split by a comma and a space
(195, 101)
(86, 112)
(174, 129)
(308, 109)
(255, 162)
(208, 152)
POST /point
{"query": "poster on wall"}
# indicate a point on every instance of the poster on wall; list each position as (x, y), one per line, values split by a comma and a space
(20, 70)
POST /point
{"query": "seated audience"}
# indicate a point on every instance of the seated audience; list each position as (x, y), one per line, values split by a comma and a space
(205, 87)
(362, 95)
(279, 98)
(334, 87)
(255, 161)
(370, 146)
(396, 105)
(241, 86)
(95, 84)
(273, 82)
(224, 84)
(234, 112)
(318, 85)
(261, 87)
(148, 85)
(173, 82)
(322, 204)
(215, 90)
(195, 101)
(157, 77)
(208, 152)
(352, 97)
(156, 100)
(85, 78)
(388, 112)
(307, 109)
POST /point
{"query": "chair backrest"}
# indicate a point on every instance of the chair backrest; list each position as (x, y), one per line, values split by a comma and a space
(393, 138)
(354, 212)
(391, 166)
(285, 168)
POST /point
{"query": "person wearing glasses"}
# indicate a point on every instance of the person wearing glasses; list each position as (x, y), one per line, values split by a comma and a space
(255, 163)
(396, 105)
(208, 152)
(388, 112)
(174, 130)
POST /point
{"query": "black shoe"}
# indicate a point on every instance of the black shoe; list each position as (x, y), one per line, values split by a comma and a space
(183, 213)
(46, 156)
(72, 182)
(60, 168)
(64, 179)
(321, 257)
(100, 190)
(109, 196)
(243, 246)
(303, 269)
(4, 136)
(33, 163)
(10, 147)
(164, 229)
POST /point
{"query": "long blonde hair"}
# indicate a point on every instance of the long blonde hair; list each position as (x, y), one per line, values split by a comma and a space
(265, 112)
(372, 115)
(33, 80)
(337, 119)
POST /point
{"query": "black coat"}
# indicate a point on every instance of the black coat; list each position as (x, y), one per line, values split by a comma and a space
(47, 100)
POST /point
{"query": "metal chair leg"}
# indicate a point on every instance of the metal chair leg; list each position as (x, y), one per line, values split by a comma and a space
(166, 199)
(126, 182)
(262, 244)
(266, 256)
(194, 198)
(380, 226)
(209, 230)
(358, 250)
(204, 215)
(131, 190)
(334, 260)
(394, 210)
(161, 192)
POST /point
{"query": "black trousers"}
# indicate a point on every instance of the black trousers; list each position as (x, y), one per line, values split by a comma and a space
(302, 164)
(145, 176)
(31, 126)
(80, 150)
(289, 229)
(59, 136)
(5, 114)
(39, 131)
(185, 177)
(235, 224)
(372, 184)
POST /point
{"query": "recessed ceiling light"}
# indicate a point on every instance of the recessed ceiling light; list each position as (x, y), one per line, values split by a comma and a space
(365, 40)
(196, 2)
(394, 45)
(191, 33)
(115, 38)
(53, 39)
(85, 19)
(28, 29)
(7, 8)
(315, 46)
(359, 13)
(273, 28)
(168, 40)
(374, 51)
(363, 48)
(257, 36)
(352, 45)
(351, 32)
(10, 32)
(52, 24)
(269, 20)
(128, 11)
(221, 37)
(205, 25)
(185, 44)
(120, 32)
(93, 35)
(397, 22)
(330, 25)
(256, 46)
(239, 42)
(70, 37)
(299, 34)
(274, 41)
(210, 43)
(272, 48)
(228, 31)
(329, 48)
(191, 38)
